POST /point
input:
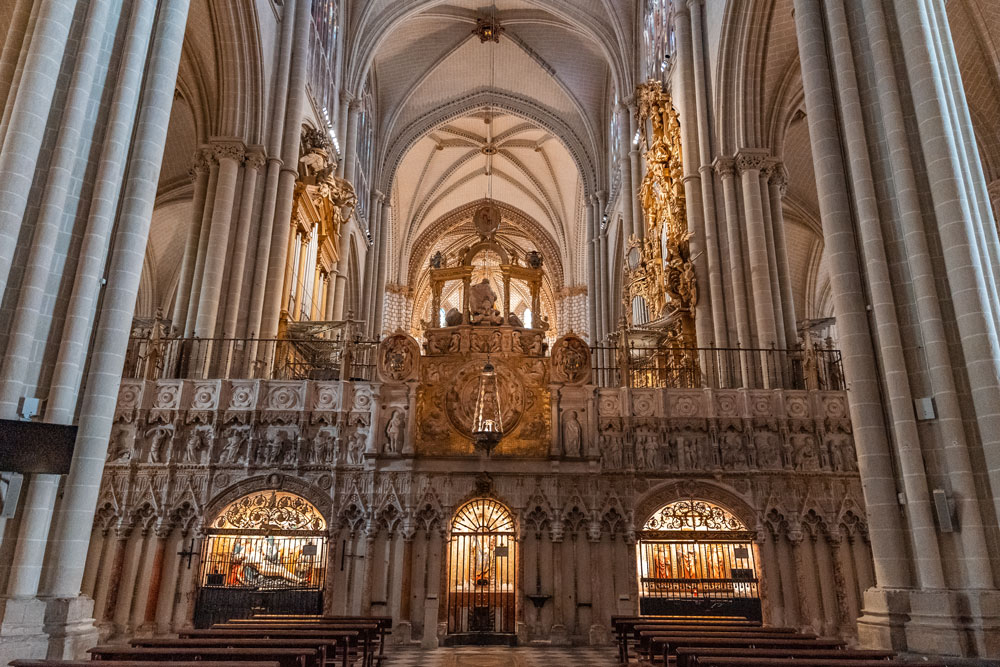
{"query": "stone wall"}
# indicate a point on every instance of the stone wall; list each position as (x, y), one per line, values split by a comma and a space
(182, 449)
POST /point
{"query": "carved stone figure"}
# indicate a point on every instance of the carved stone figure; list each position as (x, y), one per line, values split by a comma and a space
(195, 447)
(572, 435)
(652, 452)
(394, 433)
(289, 454)
(323, 446)
(770, 457)
(640, 455)
(119, 450)
(356, 448)
(731, 450)
(805, 453)
(453, 318)
(689, 449)
(482, 304)
(157, 435)
(231, 453)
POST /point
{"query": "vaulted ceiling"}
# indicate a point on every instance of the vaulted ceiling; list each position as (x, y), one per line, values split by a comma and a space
(522, 120)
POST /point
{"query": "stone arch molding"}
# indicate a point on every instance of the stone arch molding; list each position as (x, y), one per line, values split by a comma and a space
(662, 494)
(514, 105)
(272, 482)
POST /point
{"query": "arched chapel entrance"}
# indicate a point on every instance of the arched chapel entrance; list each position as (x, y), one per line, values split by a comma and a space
(482, 570)
(265, 552)
(697, 558)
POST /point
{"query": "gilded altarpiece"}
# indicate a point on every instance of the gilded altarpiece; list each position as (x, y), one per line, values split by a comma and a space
(450, 369)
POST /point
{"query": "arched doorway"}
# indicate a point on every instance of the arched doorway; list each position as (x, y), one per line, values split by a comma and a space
(482, 570)
(697, 558)
(264, 552)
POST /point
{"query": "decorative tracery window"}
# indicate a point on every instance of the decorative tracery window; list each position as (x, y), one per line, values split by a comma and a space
(693, 515)
(658, 37)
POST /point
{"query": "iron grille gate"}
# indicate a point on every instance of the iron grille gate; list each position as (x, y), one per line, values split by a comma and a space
(246, 573)
(482, 569)
(695, 577)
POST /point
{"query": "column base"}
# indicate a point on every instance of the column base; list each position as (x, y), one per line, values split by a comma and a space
(22, 629)
(882, 624)
(69, 623)
(955, 623)
(599, 635)
(558, 636)
(402, 633)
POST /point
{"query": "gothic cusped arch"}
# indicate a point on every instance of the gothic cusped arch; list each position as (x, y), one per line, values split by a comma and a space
(273, 482)
(662, 494)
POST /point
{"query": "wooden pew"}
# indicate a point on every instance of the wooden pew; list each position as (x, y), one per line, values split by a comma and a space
(363, 633)
(384, 623)
(693, 657)
(339, 652)
(645, 635)
(622, 626)
(364, 623)
(806, 662)
(665, 645)
(284, 656)
(139, 663)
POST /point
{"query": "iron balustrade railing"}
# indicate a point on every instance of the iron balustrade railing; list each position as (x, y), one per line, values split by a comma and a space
(726, 368)
(153, 358)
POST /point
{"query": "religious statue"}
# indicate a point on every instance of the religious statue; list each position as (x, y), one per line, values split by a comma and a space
(157, 435)
(324, 448)
(805, 453)
(689, 447)
(234, 445)
(394, 433)
(652, 451)
(193, 447)
(572, 435)
(356, 448)
(437, 260)
(482, 304)
(255, 559)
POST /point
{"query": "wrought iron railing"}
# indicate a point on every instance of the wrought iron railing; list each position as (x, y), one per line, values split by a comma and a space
(154, 358)
(732, 368)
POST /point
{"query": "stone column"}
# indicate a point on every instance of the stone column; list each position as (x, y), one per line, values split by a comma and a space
(229, 155)
(299, 277)
(328, 298)
(712, 245)
(777, 186)
(71, 535)
(844, 625)
(182, 298)
(383, 269)
(557, 633)
(29, 115)
(22, 327)
(878, 479)
(633, 226)
(806, 616)
(279, 97)
(204, 230)
(598, 632)
(316, 307)
(926, 556)
(162, 533)
(704, 327)
(338, 296)
(351, 141)
(251, 167)
(607, 282)
(122, 535)
(772, 263)
(368, 575)
(591, 271)
(750, 163)
(280, 224)
(726, 169)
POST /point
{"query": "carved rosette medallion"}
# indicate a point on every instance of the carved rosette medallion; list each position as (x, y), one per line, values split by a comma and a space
(460, 401)
(570, 361)
(398, 358)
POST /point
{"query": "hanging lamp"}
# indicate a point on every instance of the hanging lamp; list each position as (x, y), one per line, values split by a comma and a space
(487, 420)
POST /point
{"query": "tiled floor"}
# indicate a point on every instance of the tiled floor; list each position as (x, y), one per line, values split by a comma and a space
(497, 656)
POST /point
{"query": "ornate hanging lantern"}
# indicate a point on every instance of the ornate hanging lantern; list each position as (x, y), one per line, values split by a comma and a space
(487, 422)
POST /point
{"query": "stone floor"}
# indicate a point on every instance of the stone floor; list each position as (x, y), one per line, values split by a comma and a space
(498, 656)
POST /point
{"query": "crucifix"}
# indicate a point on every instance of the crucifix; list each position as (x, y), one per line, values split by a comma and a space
(188, 553)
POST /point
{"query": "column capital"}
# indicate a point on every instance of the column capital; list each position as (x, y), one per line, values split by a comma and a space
(228, 149)
(751, 159)
(777, 175)
(199, 164)
(725, 166)
(346, 97)
(256, 156)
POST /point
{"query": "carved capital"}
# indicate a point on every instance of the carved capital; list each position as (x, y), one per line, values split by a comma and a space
(725, 166)
(199, 165)
(751, 160)
(256, 156)
(228, 150)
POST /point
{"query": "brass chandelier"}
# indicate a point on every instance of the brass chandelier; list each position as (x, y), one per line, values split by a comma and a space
(487, 420)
